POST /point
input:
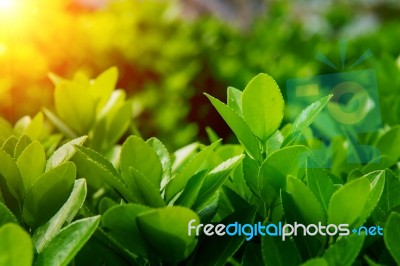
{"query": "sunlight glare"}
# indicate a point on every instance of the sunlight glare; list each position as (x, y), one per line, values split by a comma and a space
(7, 6)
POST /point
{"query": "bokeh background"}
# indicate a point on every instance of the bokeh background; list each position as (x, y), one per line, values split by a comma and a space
(169, 53)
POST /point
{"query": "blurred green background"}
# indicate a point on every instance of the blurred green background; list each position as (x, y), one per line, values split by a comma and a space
(169, 53)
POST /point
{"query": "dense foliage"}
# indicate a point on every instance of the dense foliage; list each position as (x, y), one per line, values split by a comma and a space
(73, 192)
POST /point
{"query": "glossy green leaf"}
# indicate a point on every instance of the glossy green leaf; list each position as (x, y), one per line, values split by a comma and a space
(262, 105)
(48, 194)
(103, 86)
(166, 232)
(345, 250)
(6, 216)
(67, 243)
(164, 157)
(183, 155)
(15, 246)
(75, 105)
(64, 153)
(306, 117)
(149, 194)
(391, 235)
(9, 145)
(21, 145)
(121, 223)
(96, 169)
(119, 123)
(250, 174)
(59, 124)
(306, 201)
(65, 215)
(235, 100)
(321, 185)
(390, 197)
(11, 177)
(31, 163)
(35, 127)
(385, 143)
(191, 168)
(136, 153)
(214, 179)
(275, 169)
(238, 126)
(377, 180)
(356, 192)
(189, 194)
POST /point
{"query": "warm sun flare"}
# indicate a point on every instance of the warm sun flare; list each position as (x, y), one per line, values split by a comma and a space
(7, 6)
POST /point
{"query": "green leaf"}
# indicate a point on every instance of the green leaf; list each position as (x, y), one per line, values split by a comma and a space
(95, 168)
(250, 174)
(59, 124)
(377, 180)
(306, 117)
(166, 232)
(189, 194)
(136, 153)
(15, 246)
(119, 123)
(191, 168)
(238, 126)
(65, 215)
(149, 194)
(163, 156)
(31, 163)
(21, 145)
(11, 177)
(316, 262)
(212, 135)
(75, 105)
(121, 221)
(385, 143)
(64, 153)
(112, 122)
(183, 155)
(276, 167)
(235, 100)
(356, 192)
(306, 201)
(391, 235)
(214, 179)
(220, 248)
(48, 194)
(308, 246)
(262, 105)
(6, 216)
(279, 253)
(321, 185)
(67, 243)
(390, 197)
(35, 127)
(9, 144)
(103, 86)
(345, 250)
